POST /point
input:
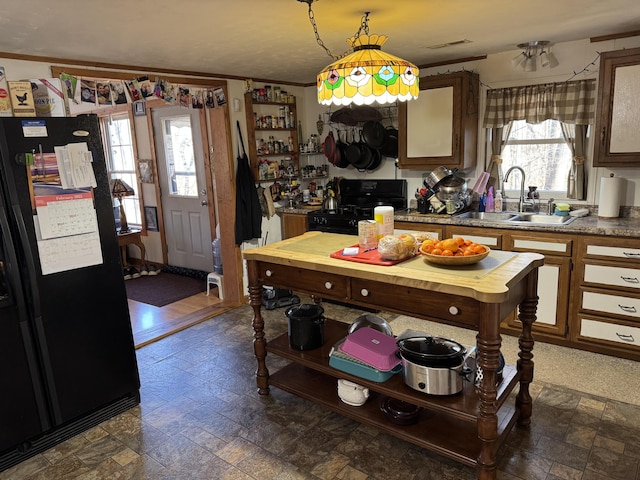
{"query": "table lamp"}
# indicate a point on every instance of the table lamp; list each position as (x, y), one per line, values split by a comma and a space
(120, 189)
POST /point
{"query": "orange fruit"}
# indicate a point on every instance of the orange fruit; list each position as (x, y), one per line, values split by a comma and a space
(460, 241)
(479, 249)
(450, 244)
(447, 253)
(436, 251)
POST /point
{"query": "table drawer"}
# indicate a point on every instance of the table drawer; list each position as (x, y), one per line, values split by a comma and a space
(626, 306)
(611, 332)
(612, 275)
(325, 285)
(451, 308)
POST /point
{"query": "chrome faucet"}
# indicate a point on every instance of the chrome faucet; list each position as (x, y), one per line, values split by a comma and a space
(522, 202)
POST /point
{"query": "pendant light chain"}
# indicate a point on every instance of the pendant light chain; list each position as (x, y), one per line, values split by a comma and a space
(364, 26)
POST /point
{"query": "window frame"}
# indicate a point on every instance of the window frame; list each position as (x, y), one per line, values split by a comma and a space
(557, 194)
(105, 117)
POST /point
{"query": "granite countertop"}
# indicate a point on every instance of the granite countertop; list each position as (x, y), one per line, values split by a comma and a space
(627, 226)
(589, 225)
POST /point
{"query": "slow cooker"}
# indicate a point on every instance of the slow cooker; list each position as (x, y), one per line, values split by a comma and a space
(433, 365)
(306, 326)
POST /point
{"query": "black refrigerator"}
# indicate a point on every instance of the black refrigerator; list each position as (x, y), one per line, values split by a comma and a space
(67, 356)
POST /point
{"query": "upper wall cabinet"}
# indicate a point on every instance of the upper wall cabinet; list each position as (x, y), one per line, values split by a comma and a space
(617, 143)
(440, 128)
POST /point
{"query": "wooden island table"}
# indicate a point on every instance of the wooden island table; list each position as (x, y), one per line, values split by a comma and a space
(467, 427)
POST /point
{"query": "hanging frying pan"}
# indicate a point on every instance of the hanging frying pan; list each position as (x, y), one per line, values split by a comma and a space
(329, 147)
(373, 132)
(341, 148)
(376, 159)
(390, 145)
(360, 156)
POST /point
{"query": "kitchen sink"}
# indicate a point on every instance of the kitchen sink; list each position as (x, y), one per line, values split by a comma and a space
(541, 219)
(518, 218)
(489, 216)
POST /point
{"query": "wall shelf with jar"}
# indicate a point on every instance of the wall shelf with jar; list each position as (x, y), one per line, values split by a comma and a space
(273, 146)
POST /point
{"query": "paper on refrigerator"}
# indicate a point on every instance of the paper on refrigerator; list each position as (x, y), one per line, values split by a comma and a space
(74, 166)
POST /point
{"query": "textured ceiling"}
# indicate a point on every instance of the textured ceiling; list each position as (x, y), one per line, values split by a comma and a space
(274, 40)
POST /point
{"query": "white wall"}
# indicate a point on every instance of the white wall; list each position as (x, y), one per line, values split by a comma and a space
(495, 72)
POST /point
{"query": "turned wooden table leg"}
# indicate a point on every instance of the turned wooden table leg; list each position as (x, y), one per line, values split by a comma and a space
(526, 315)
(259, 342)
(488, 358)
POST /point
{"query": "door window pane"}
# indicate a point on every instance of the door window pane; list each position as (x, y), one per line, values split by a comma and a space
(180, 158)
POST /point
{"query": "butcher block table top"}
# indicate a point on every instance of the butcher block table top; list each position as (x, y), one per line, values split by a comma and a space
(487, 281)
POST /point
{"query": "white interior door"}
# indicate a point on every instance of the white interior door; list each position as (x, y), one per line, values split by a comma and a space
(183, 187)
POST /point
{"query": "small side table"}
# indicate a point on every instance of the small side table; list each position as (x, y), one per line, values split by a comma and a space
(128, 238)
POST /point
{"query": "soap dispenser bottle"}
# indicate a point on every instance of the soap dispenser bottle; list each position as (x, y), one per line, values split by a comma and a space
(489, 205)
(497, 203)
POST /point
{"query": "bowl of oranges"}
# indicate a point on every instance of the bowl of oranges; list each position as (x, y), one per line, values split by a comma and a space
(453, 251)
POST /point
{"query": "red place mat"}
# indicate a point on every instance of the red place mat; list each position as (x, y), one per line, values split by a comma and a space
(368, 256)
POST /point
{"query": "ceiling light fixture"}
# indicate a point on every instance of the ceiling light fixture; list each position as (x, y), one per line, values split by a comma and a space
(364, 74)
(531, 51)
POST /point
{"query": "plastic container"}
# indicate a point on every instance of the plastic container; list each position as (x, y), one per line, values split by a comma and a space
(497, 202)
(217, 255)
(489, 204)
(384, 218)
(373, 348)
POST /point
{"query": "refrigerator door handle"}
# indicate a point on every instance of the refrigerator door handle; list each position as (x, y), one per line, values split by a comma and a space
(14, 287)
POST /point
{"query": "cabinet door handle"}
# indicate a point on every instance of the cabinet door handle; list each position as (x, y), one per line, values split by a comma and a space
(364, 292)
(453, 310)
(631, 254)
(627, 309)
(630, 279)
(625, 338)
(328, 285)
(603, 135)
(268, 273)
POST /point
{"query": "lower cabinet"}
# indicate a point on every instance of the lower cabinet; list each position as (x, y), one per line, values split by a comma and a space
(554, 278)
(293, 224)
(607, 313)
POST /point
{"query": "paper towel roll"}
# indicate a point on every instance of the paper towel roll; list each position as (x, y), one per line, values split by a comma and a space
(609, 204)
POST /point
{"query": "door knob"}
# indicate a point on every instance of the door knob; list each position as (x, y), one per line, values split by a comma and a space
(204, 203)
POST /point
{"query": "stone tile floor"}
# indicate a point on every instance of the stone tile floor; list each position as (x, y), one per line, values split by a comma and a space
(201, 418)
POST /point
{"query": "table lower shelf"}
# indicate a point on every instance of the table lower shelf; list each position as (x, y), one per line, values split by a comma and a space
(446, 435)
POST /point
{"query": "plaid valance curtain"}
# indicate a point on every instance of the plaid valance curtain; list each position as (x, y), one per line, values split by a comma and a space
(569, 102)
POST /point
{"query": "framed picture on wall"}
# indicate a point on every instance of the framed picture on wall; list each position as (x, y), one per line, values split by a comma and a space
(145, 168)
(151, 217)
(140, 108)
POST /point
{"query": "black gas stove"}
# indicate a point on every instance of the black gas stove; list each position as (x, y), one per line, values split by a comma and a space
(357, 201)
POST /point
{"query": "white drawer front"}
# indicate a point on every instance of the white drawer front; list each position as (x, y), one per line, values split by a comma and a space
(540, 245)
(616, 304)
(488, 241)
(610, 331)
(617, 276)
(615, 252)
(398, 231)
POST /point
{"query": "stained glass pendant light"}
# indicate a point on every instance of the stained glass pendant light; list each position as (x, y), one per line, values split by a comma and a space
(366, 74)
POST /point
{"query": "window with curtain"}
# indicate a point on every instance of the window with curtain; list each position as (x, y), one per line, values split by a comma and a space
(537, 127)
(120, 158)
(541, 150)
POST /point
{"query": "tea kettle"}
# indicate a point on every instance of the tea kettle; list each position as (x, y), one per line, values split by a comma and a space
(330, 202)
